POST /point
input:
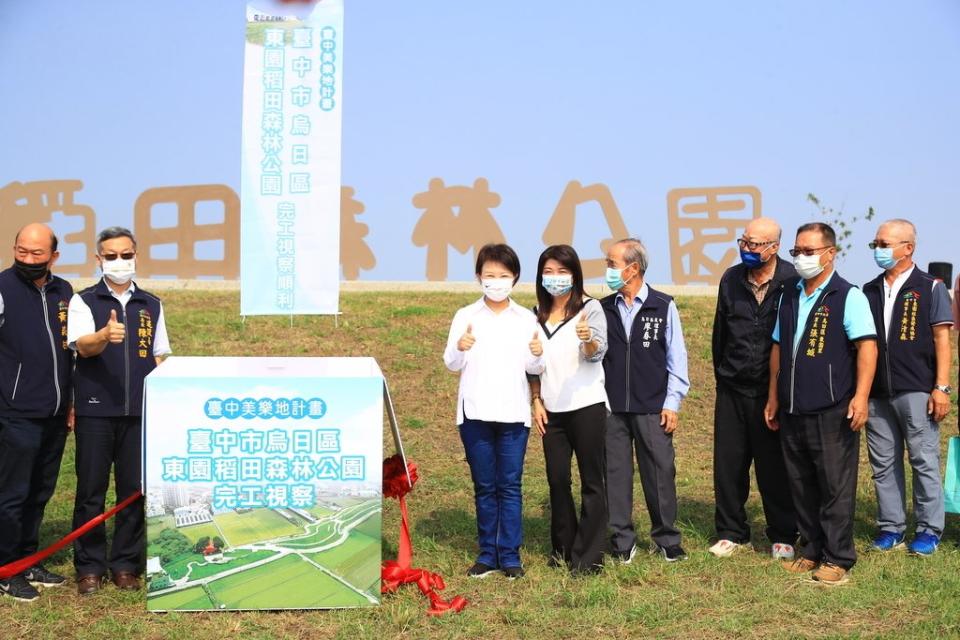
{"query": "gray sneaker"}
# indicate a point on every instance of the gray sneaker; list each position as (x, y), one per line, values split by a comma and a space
(19, 589)
(38, 576)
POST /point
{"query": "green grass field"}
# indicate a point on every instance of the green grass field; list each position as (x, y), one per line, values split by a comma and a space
(288, 582)
(253, 526)
(192, 598)
(891, 596)
(194, 532)
(353, 560)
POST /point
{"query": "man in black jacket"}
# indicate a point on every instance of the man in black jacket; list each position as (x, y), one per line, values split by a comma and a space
(747, 306)
(35, 369)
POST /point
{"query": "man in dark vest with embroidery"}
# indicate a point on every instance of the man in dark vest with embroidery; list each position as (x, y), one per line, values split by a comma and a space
(646, 379)
(119, 334)
(821, 368)
(746, 312)
(35, 367)
(911, 391)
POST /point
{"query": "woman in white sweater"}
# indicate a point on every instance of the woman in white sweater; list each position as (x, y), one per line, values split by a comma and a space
(494, 343)
(570, 409)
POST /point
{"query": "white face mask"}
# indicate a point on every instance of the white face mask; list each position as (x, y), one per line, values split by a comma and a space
(119, 271)
(497, 289)
(808, 267)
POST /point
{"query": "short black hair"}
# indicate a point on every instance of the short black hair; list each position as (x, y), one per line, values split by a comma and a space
(54, 241)
(501, 253)
(829, 235)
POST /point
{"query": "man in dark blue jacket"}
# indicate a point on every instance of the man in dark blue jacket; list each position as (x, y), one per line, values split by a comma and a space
(911, 392)
(119, 333)
(645, 370)
(747, 304)
(821, 369)
(35, 367)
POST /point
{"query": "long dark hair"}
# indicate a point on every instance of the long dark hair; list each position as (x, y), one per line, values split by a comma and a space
(566, 256)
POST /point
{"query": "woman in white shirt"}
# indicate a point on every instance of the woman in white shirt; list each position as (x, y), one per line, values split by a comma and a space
(494, 343)
(570, 410)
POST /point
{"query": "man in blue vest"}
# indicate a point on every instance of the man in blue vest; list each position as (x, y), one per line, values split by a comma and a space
(35, 367)
(646, 379)
(747, 304)
(821, 368)
(911, 391)
(119, 334)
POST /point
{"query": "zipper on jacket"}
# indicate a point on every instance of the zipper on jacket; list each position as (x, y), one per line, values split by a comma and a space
(16, 382)
(53, 348)
(627, 396)
(830, 378)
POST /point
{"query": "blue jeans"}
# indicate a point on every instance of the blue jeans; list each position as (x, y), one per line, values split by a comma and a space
(30, 453)
(495, 453)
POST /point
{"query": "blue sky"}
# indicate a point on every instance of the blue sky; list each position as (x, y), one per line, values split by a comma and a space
(855, 101)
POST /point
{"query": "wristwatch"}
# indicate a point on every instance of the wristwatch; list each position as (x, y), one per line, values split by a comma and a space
(945, 388)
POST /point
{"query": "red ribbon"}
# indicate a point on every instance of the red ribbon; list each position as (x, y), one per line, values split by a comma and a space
(19, 566)
(395, 573)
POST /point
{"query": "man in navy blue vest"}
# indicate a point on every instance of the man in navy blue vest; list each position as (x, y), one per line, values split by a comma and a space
(747, 305)
(119, 334)
(911, 391)
(35, 367)
(646, 379)
(821, 368)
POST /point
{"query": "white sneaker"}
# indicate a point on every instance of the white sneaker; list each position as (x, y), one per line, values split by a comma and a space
(782, 551)
(726, 548)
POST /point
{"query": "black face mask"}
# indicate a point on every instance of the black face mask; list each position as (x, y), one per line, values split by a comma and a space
(31, 272)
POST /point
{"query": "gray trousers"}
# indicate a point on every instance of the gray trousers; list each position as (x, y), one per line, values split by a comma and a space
(893, 421)
(629, 433)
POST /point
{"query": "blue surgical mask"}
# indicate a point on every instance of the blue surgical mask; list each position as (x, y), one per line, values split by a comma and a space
(557, 285)
(615, 279)
(751, 259)
(883, 256)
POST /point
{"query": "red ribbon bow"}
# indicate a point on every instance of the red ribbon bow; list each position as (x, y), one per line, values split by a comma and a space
(395, 573)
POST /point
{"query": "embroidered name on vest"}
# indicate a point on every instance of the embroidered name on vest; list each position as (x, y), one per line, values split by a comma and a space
(651, 329)
(62, 317)
(818, 331)
(908, 322)
(144, 333)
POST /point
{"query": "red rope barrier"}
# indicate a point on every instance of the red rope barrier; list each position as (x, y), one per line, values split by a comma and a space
(19, 566)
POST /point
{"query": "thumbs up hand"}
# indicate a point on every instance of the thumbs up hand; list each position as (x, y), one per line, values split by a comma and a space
(536, 347)
(115, 332)
(466, 340)
(583, 328)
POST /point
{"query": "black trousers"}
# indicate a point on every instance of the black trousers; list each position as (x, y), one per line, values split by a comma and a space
(103, 443)
(30, 453)
(741, 437)
(822, 453)
(581, 542)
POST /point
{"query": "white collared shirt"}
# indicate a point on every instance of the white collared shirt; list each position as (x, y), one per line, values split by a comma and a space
(493, 373)
(80, 321)
(890, 292)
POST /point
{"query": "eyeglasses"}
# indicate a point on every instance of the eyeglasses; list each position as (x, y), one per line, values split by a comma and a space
(807, 252)
(110, 257)
(880, 244)
(753, 246)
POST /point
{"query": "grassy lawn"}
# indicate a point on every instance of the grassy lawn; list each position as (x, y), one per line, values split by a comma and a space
(253, 526)
(192, 598)
(352, 560)
(747, 596)
(288, 582)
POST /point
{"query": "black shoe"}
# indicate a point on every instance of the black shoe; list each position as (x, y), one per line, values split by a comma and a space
(40, 577)
(513, 573)
(671, 553)
(625, 558)
(18, 588)
(480, 570)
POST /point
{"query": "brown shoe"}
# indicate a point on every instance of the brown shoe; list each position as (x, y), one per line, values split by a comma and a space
(800, 565)
(88, 584)
(126, 581)
(830, 575)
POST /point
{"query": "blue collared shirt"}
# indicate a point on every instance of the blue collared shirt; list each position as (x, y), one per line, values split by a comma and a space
(857, 317)
(678, 380)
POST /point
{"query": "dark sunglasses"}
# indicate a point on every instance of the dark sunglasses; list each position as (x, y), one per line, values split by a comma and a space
(110, 257)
